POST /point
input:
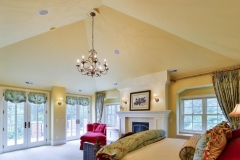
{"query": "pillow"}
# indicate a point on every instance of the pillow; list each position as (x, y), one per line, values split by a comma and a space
(231, 151)
(226, 129)
(188, 148)
(200, 147)
(100, 128)
(95, 127)
(211, 145)
(216, 144)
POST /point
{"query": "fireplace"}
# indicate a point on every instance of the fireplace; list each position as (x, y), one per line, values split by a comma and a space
(139, 126)
(155, 119)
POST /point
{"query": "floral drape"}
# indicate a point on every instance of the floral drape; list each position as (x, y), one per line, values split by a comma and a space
(70, 100)
(15, 96)
(37, 98)
(226, 87)
(99, 106)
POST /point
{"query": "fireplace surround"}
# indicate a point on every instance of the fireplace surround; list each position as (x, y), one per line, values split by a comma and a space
(156, 119)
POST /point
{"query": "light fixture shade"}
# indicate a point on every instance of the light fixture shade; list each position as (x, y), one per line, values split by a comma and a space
(236, 111)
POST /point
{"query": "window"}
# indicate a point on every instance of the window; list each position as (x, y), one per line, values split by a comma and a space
(199, 114)
(111, 116)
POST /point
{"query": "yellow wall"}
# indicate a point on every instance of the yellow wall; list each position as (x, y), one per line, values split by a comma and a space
(197, 91)
(196, 85)
(58, 115)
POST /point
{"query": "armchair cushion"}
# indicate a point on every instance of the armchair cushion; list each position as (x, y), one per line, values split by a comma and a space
(92, 136)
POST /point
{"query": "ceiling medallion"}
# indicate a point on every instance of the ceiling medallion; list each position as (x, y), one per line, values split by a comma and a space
(91, 66)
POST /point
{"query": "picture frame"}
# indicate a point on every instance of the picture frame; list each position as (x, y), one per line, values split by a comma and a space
(140, 101)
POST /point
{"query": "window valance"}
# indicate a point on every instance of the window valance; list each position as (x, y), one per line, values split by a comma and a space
(37, 98)
(83, 101)
(71, 100)
(15, 96)
(77, 100)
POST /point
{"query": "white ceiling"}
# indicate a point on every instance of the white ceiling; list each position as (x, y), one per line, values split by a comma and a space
(152, 36)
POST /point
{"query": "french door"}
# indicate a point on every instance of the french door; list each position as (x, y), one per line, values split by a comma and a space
(77, 119)
(24, 125)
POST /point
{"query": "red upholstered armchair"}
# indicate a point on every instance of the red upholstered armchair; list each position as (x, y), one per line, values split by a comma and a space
(95, 130)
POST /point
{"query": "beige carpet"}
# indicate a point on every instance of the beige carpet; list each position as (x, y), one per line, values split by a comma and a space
(68, 151)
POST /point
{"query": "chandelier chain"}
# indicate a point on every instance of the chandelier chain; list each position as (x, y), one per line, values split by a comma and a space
(92, 32)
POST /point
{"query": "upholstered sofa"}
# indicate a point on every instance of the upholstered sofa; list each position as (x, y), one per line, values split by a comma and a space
(94, 130)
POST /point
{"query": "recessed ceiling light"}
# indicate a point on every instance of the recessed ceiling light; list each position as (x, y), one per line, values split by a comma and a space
(115, 84)
(43, 12)
(116, 52)
(30, 83)
(80, 90)
(173, 71)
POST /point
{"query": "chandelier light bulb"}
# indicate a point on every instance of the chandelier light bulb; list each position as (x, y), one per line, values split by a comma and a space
(78, 61)
(82, 57)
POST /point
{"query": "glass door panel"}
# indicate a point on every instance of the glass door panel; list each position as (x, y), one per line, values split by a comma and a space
(37, 125)
(83, 118)
(71, 122)
(14, 134)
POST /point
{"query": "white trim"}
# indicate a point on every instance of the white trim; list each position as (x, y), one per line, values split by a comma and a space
(54, 143)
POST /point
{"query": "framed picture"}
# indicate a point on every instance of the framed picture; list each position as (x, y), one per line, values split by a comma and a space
(140, 100)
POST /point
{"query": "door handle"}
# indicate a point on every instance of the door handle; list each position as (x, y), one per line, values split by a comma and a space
(29, 125)
(25, 124)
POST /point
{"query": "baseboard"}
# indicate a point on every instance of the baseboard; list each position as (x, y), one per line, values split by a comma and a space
(54, 143)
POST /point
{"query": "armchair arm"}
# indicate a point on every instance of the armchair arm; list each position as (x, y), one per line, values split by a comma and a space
(105, 131)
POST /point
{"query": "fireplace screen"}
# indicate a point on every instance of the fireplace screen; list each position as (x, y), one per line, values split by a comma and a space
(139, 126)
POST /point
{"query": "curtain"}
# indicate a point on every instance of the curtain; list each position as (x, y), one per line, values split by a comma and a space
(226, 87)
(99, 106)
(15, 96)
(37, 98)
(71, 100)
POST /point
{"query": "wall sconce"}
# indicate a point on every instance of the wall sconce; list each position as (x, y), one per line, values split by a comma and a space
(156, 97)
(124, 101)
(60, 101)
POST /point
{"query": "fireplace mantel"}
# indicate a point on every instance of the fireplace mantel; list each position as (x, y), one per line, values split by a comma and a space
(155, 114)
(156, 119)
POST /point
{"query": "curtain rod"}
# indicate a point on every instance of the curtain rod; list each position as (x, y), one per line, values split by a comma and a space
(206, 73)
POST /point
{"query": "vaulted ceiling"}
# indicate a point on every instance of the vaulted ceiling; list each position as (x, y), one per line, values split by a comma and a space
(151, 35)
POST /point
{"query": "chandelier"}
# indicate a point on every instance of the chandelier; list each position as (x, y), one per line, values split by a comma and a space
(91, 66)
